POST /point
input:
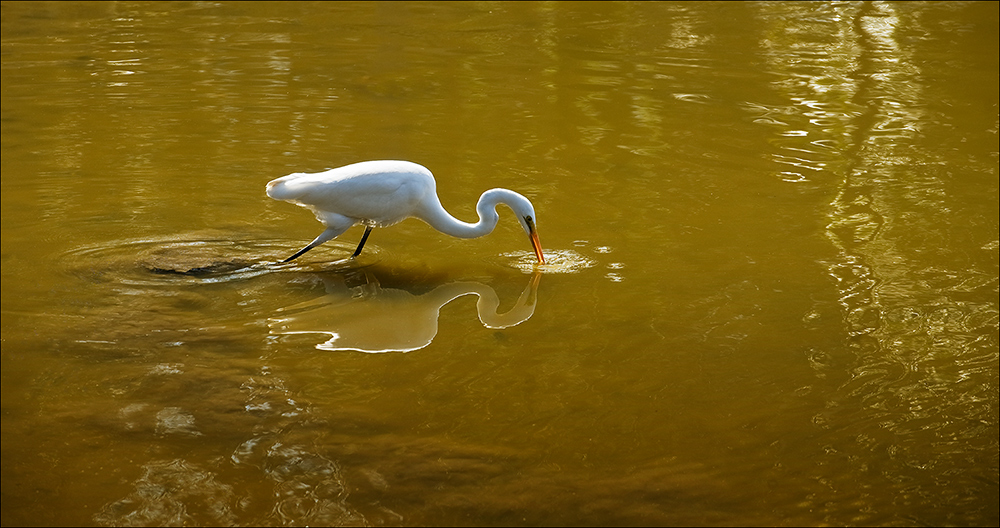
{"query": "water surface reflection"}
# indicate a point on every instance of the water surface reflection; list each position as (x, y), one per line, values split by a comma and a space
(783, 309)
(359, 314)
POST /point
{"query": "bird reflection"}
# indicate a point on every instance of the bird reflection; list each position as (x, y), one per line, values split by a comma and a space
(370, 318)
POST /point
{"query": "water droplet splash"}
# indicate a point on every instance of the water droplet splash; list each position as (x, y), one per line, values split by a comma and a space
(556, 261)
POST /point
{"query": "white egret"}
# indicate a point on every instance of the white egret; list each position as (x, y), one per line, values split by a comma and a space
(384, 192)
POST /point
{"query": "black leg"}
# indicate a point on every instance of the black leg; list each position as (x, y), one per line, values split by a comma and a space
(368, 230)
(298, 254)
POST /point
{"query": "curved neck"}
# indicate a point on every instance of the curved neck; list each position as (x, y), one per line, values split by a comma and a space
(436, 215)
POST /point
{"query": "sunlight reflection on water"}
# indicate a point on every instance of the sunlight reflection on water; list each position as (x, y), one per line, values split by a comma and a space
(796, 322)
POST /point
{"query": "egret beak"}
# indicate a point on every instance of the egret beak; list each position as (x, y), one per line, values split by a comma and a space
(535, 244)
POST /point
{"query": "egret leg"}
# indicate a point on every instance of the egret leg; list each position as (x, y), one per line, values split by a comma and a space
(323, 237)
(298, 253)
(364, 238)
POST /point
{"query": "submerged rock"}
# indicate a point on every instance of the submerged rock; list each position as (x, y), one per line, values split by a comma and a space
(197, 271)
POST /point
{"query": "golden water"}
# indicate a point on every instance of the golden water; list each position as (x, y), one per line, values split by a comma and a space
(770, 297)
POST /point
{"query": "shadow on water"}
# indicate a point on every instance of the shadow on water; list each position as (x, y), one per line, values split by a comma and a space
(194, 378)
(182, 305)
(177, 284)
(787, 312)
(359, 313)
(211, 256)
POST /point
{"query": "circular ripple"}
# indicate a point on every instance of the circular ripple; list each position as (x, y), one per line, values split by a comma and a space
(195, 257)
(556, 261)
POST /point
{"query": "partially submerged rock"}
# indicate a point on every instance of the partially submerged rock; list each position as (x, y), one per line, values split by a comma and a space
(214, 268)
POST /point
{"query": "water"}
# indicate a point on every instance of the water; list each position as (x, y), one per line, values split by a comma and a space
(770, 294)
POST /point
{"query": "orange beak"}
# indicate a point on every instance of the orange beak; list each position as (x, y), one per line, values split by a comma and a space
(536, 245)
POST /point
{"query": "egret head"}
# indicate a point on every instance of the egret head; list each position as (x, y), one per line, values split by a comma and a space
(528, 222)
(526, 216)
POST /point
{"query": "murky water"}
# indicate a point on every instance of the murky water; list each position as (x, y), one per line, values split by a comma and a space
(770, 294)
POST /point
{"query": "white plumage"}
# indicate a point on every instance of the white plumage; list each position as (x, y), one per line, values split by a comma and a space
(384, 192)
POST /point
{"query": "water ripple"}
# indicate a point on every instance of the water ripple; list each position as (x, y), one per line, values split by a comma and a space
(556, 261)
(193, 258)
